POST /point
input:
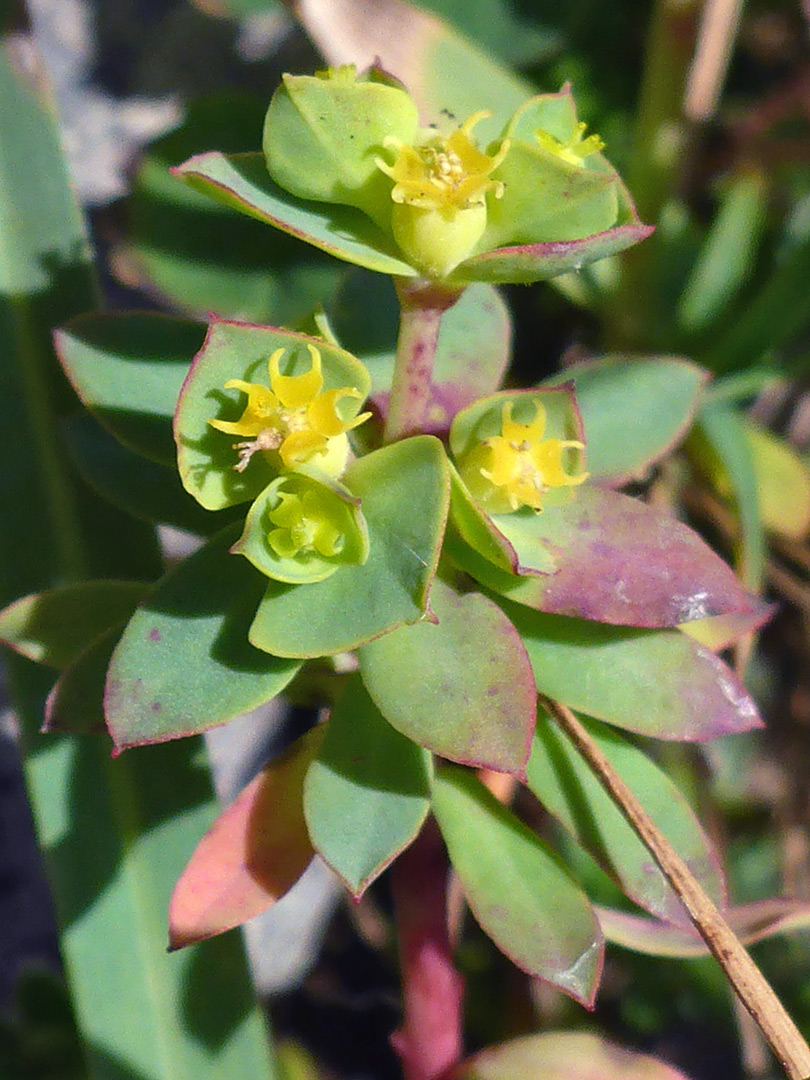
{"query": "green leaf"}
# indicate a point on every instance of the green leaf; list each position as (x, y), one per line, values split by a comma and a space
(205, 456)
(721, 449)
(76, 702)
(471, 354)
(654, 682)
(478, 530)
(563, 1055)
(137, 485)
(778, 312)
(204, 257)
(634, 410)
(367, 793)
(568, 789)
(727, 258)
(128, 370)
(114, 833)
(55, 626)
(783, 483)
(184, 663)
(516, 888)
(241, 181)
(484, 716)
(405, 491)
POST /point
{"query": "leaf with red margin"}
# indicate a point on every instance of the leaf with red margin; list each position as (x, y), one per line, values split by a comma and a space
(618, 561)
(252, 855)
(473, 699)
(562, 1055)
(517, 888)
(751, 923)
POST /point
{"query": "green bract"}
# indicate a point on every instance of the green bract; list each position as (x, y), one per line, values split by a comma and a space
(303, 529)
(427, 202)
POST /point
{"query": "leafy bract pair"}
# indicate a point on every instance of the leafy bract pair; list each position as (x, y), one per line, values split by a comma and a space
(347, 168)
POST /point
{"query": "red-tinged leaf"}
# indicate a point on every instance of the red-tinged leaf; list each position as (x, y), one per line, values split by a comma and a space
(751, 923)
(253, 854)
(562, 1055)
(618, 561)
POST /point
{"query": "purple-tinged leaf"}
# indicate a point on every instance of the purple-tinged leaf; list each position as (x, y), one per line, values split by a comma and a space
(562, 1055)
(517, 888)
(462, 687)
(752, 922)
(618, 561)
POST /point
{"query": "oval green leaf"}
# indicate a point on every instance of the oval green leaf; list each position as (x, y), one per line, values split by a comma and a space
(367, 793)
(654, 682)
(405, 493)
(517, 888)
(634, 409)
(184, 663)
(128, 370)
(462, 687)
(568, 789)
(56, 626)
(242, 182)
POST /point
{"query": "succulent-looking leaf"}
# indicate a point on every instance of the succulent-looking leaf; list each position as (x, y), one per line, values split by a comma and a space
(517, 889)
(54, 627)
(367, 793)
(753, 922)
(251, 856)
(654, 682)
(567, 787)
(184, 663)
(242, 182)
(615, 560)
(634, 410)
(128, 370)
(485, 717)
(212, 467)
(405, 492)
(562, 1055)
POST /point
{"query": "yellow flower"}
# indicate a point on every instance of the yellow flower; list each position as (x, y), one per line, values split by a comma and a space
(306, 524)
(440, 185)
(517, 467)
(295, 417)
(575, 149)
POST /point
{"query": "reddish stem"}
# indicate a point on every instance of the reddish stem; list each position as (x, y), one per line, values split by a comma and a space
(430, 1039)
(422, 305)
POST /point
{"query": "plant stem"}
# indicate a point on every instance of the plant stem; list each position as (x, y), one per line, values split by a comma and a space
(423, 303)
(430, 1039)
(749, 983)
